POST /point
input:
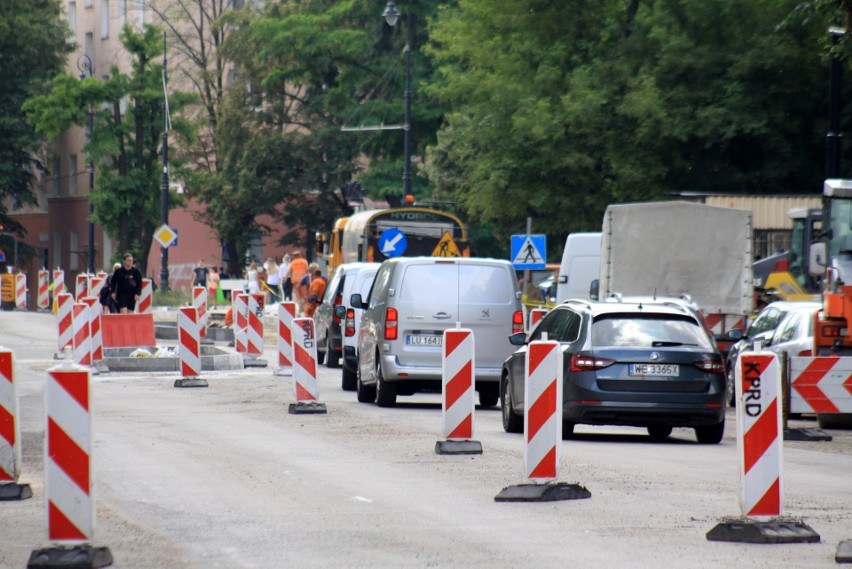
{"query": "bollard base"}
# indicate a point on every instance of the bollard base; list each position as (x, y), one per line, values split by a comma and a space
(191, 382)
(100, 366)
(550, 492)
(15, 491)
(253, 361)
(844, 552)
(307, 408)
(458, 447)
(84, 556)
(806, 435)
(288, 371)
(751, 531)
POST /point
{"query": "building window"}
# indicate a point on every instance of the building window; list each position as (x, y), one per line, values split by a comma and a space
(90, 49)
(72, 17)
(122, 13)
(104, 19)
(57, 176)
(73, 252)
(140, 14)
(72, 175)
(57, 249)
(89, 3)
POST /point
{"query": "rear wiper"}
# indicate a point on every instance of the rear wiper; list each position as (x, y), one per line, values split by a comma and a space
(668, 343)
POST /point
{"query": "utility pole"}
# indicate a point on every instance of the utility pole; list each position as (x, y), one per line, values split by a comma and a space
(164, 266)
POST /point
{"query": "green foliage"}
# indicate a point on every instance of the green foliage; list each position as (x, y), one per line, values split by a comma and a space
(171, 298)
(560, 108)
(33, 47)
(125, 143)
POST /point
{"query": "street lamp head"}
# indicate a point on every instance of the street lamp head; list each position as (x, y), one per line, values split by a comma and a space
(84, 65)
(391, 15)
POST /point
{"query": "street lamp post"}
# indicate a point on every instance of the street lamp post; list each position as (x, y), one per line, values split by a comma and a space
(164, 265)
(391, 16)
(84, 65)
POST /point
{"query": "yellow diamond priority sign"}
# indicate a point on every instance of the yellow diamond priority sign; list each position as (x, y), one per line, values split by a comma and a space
(165, 235)
(446, 247)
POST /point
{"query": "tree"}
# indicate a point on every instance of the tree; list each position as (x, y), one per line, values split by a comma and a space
(33, 46)
(126, 138)
(559, 109)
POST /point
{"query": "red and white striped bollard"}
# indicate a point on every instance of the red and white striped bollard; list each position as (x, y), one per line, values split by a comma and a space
(82, 334)
(305, 385)
(82, 287)
(543, 416)
(143, 306)
(536, 314)
(95, 311)
(10, 433)
(43, 298)
(255, 324)
(286, 314)
(458, 357)
(58, 282)
(189, 348)
(64, 304)
(241, 323)
(199, 301)
(21, 291)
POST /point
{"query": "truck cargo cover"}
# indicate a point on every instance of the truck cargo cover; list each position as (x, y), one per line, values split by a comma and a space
(675, 248)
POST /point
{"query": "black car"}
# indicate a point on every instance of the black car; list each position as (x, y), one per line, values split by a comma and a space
(643, 365)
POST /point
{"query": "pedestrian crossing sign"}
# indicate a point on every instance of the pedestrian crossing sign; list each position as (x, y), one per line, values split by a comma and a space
(528, 251)
(446, 247)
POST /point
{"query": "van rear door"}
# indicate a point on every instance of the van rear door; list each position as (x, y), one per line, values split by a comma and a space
(487, 303)
(427, 304)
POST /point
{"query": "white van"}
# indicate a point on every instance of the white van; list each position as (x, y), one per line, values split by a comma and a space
(412, 302)
(581, 261)
(359, 283)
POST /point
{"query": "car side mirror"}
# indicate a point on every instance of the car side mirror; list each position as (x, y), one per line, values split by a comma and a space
(816, 259)
(518, 339)
(595, 289)
(340, 311)
(734, 334)
(355, 301)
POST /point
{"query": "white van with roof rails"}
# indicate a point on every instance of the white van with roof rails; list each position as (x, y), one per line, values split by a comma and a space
(412, 301)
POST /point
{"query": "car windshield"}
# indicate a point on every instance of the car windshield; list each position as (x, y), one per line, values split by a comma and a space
(647, 331)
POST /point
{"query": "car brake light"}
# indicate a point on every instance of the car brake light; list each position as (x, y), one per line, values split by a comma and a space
(711, 366)
(805, 354)
(391, 329)
(350, 322)
(833, 331)
(517, 322)
(589, 363)
(338, 300)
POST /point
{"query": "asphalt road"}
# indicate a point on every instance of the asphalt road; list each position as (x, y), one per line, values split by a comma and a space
(225, 477)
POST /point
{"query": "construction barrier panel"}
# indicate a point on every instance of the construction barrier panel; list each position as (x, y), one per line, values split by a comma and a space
(43, 297)
(457, 378)
(255, 324)
(58, 282)
(305, 385)
(21, 291)
(68, 445)
(64, 303)
(536, 314)
(95, 312)
(82, 334)
(821, 385)
(96, 284)
(10, 434)
(128, 330)
(82, 287)
(759, 434)
(199, 301)
(143, 306)
(241, 323)
(543, 411)
(190, 355)
(286, 314)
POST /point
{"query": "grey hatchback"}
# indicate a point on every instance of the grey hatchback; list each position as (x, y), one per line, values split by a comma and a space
(650, 366)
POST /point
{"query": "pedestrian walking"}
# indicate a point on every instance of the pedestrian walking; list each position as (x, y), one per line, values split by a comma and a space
(126, 285)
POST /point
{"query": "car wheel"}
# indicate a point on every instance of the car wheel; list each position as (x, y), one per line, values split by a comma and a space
(710, 434)
(567, 430)
(385, 391)
(332, 358)
(512, 423)
(349, 380)
(659, 432)
(834, 420)
(366, 393)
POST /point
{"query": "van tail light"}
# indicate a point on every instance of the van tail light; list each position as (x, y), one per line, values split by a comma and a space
(391, 322)
(710, 366)
(805, 353)
(350, 323)
(517, 322)
(588, 363)
(338, 300)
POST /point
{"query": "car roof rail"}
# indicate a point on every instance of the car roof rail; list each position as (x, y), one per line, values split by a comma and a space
(585, 303)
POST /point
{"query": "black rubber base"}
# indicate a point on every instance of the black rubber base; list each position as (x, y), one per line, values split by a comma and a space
(458, 447)
(551, 492)
(15, 491)
(253, 361)
(305, 408)
(750, 531)
(81, 557)
(806, 435)
(844, 552)
(191, 382)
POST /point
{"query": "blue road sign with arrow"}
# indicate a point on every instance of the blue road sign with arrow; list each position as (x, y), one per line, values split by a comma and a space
(392, 242)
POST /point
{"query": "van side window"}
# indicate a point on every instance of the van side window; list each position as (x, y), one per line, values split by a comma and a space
(379, 285)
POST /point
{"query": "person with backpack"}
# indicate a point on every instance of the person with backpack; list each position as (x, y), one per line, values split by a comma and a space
(126, 285)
